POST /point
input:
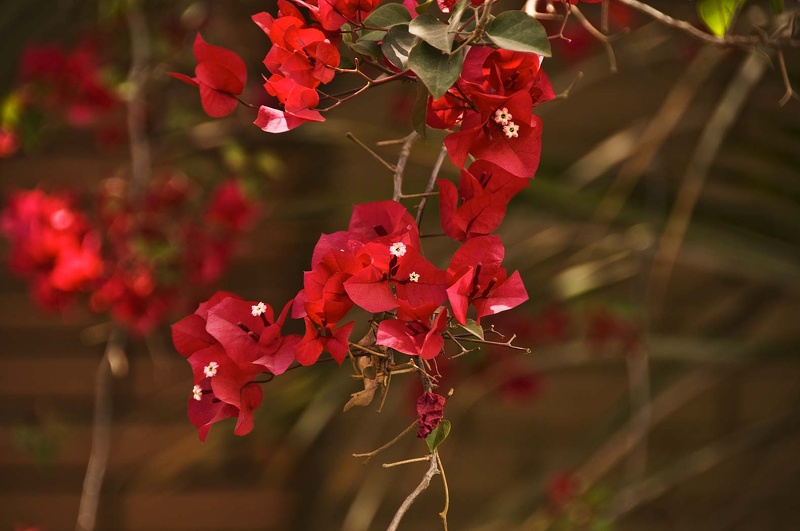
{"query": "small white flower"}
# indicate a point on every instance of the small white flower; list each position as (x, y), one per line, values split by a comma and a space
(413, 276)
(511, 130)
(502, 116)
(398, 249)
(197, 393)
(258, 309)
(211, 369)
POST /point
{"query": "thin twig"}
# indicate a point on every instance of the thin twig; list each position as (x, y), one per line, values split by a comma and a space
(101, 436)
(446, 508)
(405, 153)
(369, 150)
(597, 34)
(137, 108)
(564, 94)
(431, 181)
(373, 453)
(426, 480)
(741, 41)
(367, 350)
(407, 461)
(790, 92)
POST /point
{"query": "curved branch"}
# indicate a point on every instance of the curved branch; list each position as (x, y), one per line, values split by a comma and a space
(426, 480)
(741, 41)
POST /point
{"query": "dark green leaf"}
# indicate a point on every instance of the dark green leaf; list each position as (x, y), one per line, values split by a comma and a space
(456, 15)
(368, 48)
(429, 29)
(438, 435)
(422, 8)
(386, 16)
(436, 69)
(518, 32)
(397, 45)
(419, 113)
(473, 328)
(777, 6)
(718, 14)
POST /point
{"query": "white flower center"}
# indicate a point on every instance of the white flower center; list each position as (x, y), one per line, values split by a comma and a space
(197, 393)
(502, 116)
(211, 369)
(413, 276)
(258, 309)
(511, 130)
(397, 249)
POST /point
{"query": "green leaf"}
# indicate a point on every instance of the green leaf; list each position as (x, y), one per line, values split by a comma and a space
(777, 6)
(718, 14)
(419, 113)
(438, 435)
(368, 48)
(456, 15)
(473, 328)
(422, 8)
(436, 69)
(518, 32)
(397, 45)
(429, 29)
(386, 16)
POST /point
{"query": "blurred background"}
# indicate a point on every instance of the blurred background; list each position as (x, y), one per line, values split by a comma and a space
(659, 243)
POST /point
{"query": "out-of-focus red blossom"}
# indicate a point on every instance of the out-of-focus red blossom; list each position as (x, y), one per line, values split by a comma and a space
(155, 244)
(220, 75)
(605, 329)
(561, 490)
(484, 191)
(52, 245)
(430, 409)
(21, 527)
(67, 82)
(446, 5)
(228, 341)
(9, 142)
(230, 206)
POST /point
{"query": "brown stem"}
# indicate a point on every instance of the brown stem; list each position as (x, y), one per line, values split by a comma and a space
(137, 106)
(101, 435)
(373, 453)
(431, 182)
(369, 150)
(741, 41)
(597, 34)
(405, 153)
(426, 480)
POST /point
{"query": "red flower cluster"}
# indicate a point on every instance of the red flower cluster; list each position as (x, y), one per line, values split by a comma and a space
(52, 245)
(377, 265)
(484, 191)
(155, 246)
(68, 82)
(492, 102)
(53, 83)
(300, 59)
(133, 257)
(228, 341)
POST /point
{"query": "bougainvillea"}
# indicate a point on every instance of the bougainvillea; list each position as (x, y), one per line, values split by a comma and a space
(131, 257)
